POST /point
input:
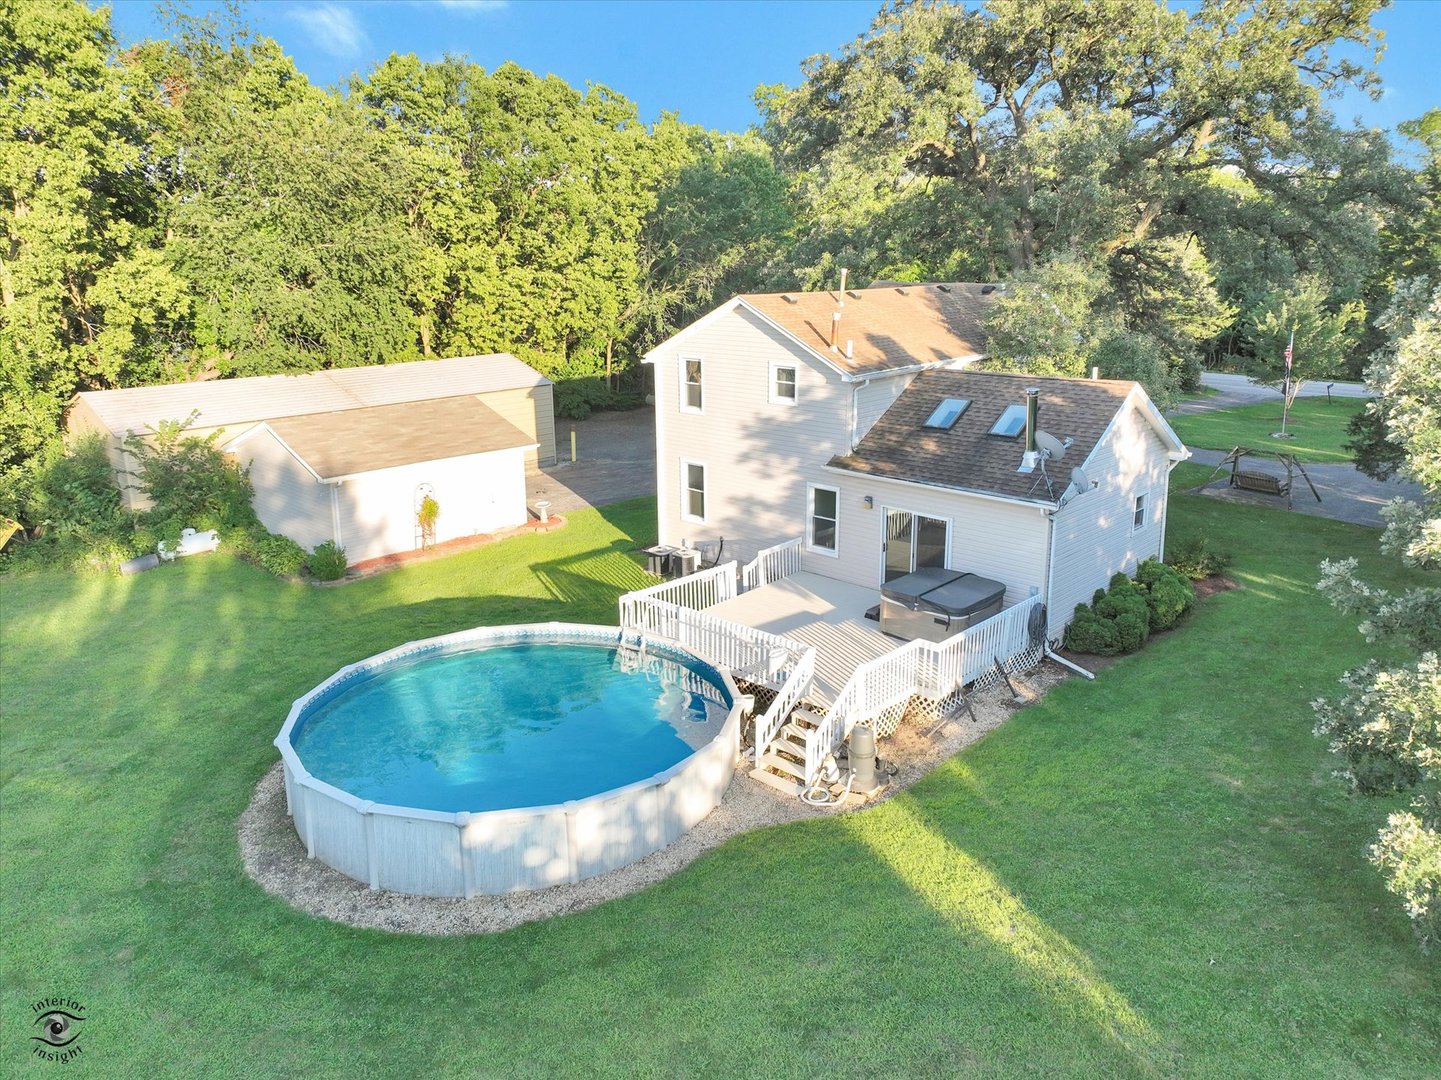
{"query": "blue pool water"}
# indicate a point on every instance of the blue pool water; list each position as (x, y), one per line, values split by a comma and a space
(509, 726)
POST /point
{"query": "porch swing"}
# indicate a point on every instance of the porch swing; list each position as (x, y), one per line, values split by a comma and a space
(1267, 483)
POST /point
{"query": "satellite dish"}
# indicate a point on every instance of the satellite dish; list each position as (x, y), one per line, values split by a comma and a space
(1051, 446)
(1081, 481)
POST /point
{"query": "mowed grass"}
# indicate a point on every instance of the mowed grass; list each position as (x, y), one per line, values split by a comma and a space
(1319, 427)
(1149, 875)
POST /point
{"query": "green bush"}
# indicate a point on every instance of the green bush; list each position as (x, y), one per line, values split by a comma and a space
(327, 562)
(1198, 558)
(1089, 633)
(280, 555)
(188, 478)
(1169, 594)
(1117, 621)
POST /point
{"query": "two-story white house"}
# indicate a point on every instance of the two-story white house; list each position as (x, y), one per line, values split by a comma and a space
(851, 420)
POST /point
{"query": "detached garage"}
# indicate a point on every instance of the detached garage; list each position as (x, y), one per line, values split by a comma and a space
(347, 455)
(358, 477)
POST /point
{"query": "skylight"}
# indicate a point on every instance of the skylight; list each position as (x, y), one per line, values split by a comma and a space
(947, 413)
(1011, 423)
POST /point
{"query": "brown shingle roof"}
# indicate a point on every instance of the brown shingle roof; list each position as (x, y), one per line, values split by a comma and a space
(967, 457)
(362, 440)
(890, 327)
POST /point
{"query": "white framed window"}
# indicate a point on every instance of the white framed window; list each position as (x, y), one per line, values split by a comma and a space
(783, 384)
(692, 491)
(1138, 512)
(691, 398)
(823, 514)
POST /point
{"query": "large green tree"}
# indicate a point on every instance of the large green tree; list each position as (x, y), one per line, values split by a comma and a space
(991, 138)
(86, 296)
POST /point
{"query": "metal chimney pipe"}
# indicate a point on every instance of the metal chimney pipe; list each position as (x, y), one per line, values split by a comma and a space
(835, 331)
(1033, 407)
(844, 271)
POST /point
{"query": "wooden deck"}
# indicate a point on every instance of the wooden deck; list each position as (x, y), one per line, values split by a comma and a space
(821, 612)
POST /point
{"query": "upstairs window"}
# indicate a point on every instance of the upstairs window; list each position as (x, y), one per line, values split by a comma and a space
(947, 413)
(691, 399)
(1011, 423)
(1138, 512)
(783, 384)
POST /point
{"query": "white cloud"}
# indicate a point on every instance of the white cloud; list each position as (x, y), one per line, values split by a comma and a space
(333, 28)
(468, 6)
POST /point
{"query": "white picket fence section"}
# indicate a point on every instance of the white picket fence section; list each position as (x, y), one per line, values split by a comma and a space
(930, 669)
(772, 564)
(746, 652)
(703, 589)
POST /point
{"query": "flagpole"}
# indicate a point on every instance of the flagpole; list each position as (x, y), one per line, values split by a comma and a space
(1286, 385)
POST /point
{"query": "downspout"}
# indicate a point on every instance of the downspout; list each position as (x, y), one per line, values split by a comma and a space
(335, 514)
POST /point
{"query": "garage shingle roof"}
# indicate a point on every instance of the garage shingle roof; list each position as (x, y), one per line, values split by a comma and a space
(894, 326)
(968, 457)
(339, 444)
(222, 402)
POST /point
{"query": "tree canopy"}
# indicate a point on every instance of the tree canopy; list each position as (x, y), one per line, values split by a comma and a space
(1150, 181)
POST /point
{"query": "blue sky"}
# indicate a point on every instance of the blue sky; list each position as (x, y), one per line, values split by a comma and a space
(703, 59)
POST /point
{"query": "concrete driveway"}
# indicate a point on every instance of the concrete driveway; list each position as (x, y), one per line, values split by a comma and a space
(615, 461)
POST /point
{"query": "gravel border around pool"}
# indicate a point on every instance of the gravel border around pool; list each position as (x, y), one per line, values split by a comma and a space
(275, 858)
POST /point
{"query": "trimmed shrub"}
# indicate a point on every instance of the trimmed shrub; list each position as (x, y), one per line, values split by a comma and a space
(327, 562)
(1198, 558)
(1089, 633)
(1169, 595)
(1117, 621)
(280, 555)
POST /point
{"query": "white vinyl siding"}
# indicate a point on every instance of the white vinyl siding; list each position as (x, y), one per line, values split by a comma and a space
(478, 493)
(758, 458)
(692, 399)
(783, 384)
(288, 499)
(1001, 540)
(1095, 535)
(692, 491)
(874, 397)
(822, 519)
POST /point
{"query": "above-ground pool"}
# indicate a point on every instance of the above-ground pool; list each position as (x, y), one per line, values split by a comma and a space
(507, 758)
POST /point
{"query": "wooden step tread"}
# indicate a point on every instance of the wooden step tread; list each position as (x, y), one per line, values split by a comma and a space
(782, 764)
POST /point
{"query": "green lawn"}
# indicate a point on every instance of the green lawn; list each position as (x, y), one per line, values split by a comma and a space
(1319, 427)
(1149, 875)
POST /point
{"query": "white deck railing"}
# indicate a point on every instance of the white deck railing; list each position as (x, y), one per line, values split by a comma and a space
(703, 589)
(930, 669)
(748, 653)
(772, 564)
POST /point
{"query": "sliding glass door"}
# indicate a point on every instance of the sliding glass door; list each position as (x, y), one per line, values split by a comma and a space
(913, 541)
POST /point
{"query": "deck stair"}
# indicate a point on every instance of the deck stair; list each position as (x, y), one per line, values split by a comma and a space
(782, 764)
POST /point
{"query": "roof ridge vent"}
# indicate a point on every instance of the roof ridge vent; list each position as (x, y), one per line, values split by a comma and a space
(986, 290)
(788, 298)
(944, 288)
(901, 290)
